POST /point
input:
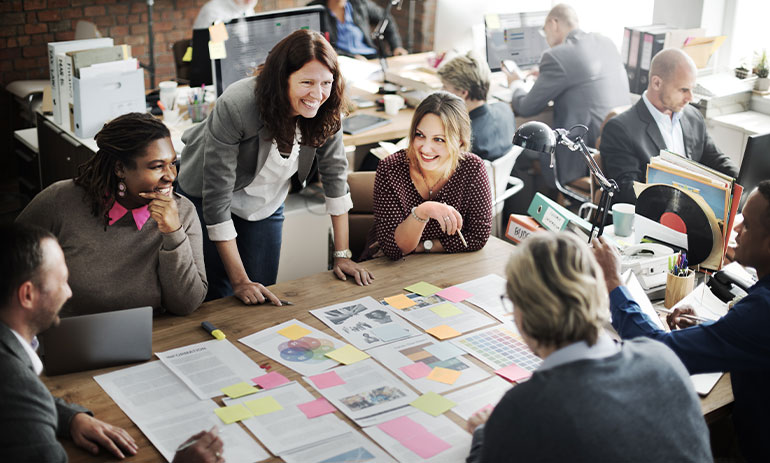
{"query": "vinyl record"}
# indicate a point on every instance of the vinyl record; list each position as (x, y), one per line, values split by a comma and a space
(677, 210)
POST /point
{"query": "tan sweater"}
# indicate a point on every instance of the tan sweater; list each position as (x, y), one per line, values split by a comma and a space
(122, 267)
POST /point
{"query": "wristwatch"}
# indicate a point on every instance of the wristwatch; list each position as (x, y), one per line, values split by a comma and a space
(344, 254)
(428, 245)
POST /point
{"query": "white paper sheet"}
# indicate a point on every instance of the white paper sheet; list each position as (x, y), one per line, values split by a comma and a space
(348, 448)
(705, 382)
(370, 395)
(636, 290)
(422, 316)
(305, 355)
(359, 322)
(441, 426)
(474, 398)
(486, 295)
(208, 366)
(168, 412)
(705, 303)
(288, 430)
(408, 351)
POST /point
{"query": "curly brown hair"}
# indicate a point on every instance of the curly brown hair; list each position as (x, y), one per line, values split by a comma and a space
(123, 139)
(272, 91)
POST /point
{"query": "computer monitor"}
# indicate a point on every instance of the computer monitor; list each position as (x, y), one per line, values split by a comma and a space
(250, 39)
(459, 24)
(755, 166)
(200, 65)
(515, 36)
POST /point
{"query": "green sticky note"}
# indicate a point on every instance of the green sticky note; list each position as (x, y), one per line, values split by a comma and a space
(233, 413)
(432, 403)
(187, 55)
(423, 289)
(347, 354)
(263, 405)
(239, 390)
(446, 309)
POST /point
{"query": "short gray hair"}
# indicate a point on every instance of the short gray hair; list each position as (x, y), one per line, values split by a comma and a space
(467, 73)
(558, 289)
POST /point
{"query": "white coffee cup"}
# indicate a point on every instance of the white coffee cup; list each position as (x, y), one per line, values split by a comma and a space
(171, 116)
(392, 104)
(168, 93)
(623, 218)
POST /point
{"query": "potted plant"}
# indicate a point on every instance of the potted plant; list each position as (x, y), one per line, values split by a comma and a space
(742, 72)
(763, 82)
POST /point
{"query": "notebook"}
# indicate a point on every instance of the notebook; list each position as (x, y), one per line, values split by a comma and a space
(96, 341)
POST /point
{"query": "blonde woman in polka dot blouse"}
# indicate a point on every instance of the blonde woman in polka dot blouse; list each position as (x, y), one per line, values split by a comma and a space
(433, 196)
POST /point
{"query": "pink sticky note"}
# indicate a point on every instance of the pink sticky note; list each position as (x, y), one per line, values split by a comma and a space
(485, 407)
(514, 373)
(454, 294)
(328, 379)
(417, 370)
(402, 429)
(317, 407)
(270, 380)
(426, 445)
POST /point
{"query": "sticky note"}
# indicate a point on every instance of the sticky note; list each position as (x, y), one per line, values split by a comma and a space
(328, 379)
(492, 21)
(238, 390)
(423, 289)
(443, 332)
(417, 370)
(432, 403)
(514, 373)
(233, 413)
(294, 332)
(402, 428)
(270, 380)
(454, 294)
(427, 445)
(399, 302)
(217, 50)
(347, 354)
(218, 32)
(316, 407)
(446, 310)
(187, 55)
(414, 436)
(444, 375)
(390, 332)
(444, 350)
(263, 405)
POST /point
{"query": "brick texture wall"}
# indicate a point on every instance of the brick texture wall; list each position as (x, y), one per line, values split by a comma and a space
(26, 26)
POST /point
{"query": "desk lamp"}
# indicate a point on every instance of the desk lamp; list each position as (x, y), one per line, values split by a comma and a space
(537, 136)
(378, 36)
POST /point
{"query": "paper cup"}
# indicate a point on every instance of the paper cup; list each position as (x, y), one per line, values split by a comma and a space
(392, 104)
(168, 93)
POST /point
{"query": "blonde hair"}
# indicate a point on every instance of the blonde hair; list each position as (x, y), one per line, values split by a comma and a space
(457, 126)
(467, 73)
(558, 289)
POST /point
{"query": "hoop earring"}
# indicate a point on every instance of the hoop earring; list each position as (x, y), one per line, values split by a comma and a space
(121, 188)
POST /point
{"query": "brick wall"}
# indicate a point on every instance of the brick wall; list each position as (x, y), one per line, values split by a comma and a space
(26, 26)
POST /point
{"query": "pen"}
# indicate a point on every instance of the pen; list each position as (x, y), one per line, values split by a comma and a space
(283, 302)
(694, 318)
(462, 238)
(213, 330)
(214, 430)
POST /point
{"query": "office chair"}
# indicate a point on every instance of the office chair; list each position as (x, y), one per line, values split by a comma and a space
(361, 216)
(503, 185)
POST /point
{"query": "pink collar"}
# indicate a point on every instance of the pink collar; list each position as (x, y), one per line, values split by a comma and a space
(141, 214)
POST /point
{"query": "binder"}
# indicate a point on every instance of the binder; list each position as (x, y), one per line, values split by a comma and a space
(554, 217)
(651, 42)
(632, 67)
(520, 227)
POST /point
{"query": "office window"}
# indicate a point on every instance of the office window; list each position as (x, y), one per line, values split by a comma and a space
(749, 30)
(609, 17)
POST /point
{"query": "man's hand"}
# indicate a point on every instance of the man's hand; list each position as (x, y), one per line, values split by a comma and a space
(609, 261)
(87, 432)
(478, 418)
(676, 320)
(511, 71)
(204, 447)
(344, 267)
(400, 51)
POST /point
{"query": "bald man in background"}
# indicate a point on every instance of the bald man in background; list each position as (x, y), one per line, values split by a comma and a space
(661, 119)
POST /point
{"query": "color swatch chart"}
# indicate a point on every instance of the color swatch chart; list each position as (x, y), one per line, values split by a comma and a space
(499, 347)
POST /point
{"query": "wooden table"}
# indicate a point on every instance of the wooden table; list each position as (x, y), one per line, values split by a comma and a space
(237, 320)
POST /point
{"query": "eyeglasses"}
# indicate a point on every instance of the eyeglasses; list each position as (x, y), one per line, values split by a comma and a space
(506, 303)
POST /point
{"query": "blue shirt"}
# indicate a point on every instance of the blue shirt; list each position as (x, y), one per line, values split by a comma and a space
(350, 38)
(739, 343)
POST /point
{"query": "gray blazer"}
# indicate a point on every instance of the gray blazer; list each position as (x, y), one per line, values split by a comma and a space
(224, 154)
(631, 138)
(30, 417)
(585, 79)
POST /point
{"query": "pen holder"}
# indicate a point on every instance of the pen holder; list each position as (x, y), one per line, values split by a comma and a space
(678, 287)
(198, 112)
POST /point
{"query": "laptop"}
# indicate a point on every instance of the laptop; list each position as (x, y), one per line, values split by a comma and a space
(96, 341)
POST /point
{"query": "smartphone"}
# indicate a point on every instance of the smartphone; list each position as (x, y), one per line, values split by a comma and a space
(509, 65)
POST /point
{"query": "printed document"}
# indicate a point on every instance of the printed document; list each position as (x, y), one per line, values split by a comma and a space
(474, 398)
(351, 447)
(431, 311)
(486, 295)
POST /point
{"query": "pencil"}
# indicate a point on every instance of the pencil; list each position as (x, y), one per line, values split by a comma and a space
(694, 318)
(462, 238)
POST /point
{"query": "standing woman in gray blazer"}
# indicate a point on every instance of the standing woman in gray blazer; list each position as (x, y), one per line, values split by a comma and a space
(237, 166)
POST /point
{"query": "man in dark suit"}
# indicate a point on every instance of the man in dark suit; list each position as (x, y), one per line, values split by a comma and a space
(33, 288)
(583, 75)
(661, 119)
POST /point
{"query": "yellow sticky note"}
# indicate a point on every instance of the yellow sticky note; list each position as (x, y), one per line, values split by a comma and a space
(443, 375)
(217, 50)
(347, 354)
(492, 21)
(294, 332)
(187, 55)
(432, 403)
(399, 302)
(443, 332)
(218, 32)
(446, 309)
(239, 390)
(263, 405)
(233, 413)
(423, 289)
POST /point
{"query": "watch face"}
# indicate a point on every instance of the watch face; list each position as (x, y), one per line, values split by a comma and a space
(428, 245)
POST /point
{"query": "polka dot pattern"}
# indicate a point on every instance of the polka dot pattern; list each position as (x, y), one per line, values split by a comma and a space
(467, 191)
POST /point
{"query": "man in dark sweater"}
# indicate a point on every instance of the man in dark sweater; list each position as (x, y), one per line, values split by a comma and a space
(739, 342)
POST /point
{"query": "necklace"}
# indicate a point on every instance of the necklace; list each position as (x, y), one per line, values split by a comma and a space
(430, 188)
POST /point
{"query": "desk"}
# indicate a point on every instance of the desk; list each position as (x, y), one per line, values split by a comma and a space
(319, 290)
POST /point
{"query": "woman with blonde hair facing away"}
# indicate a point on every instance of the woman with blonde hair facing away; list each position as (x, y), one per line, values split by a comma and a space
(592, 399)
(434, 196)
